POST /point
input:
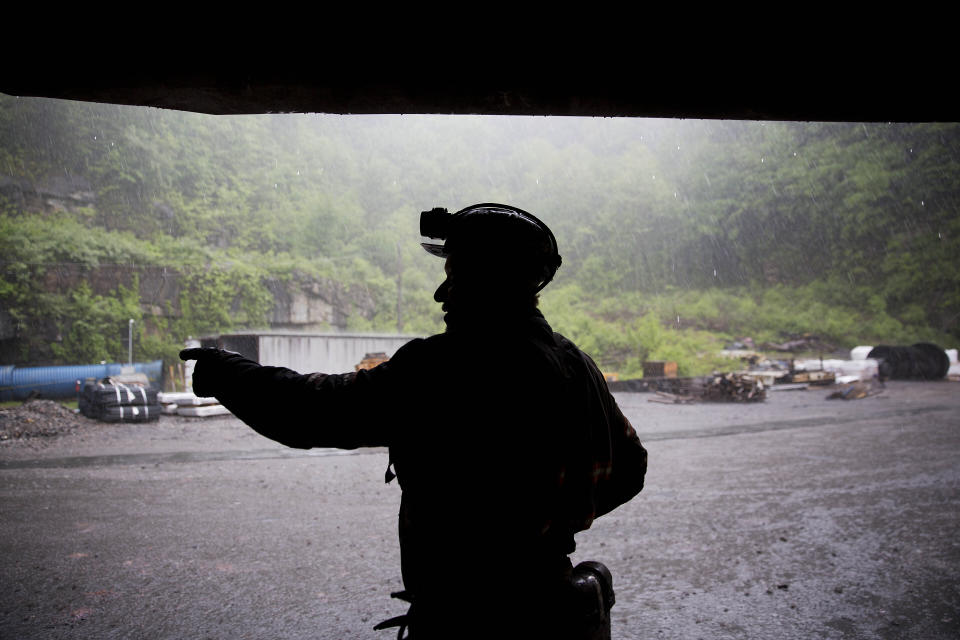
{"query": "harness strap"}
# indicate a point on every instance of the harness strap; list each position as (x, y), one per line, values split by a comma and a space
(397, 621)
(402, 621)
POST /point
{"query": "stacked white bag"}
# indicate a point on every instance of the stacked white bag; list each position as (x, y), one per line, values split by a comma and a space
(186, 403)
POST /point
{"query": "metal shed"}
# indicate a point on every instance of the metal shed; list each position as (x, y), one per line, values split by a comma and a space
(309, 352)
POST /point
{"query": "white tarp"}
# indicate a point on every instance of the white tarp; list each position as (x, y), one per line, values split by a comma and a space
(186, 403)
(203, 412)
(184, 399)
(862, 369)
(860, 353)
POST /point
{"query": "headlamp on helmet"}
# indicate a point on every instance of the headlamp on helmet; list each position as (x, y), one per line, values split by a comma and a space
(491, 227)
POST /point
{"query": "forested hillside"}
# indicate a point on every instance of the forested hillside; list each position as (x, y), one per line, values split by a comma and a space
(676, 235)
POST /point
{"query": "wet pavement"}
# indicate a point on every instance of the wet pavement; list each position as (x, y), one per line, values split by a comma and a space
(795, 518)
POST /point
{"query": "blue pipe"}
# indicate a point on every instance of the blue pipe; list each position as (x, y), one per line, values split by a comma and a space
(18, 383)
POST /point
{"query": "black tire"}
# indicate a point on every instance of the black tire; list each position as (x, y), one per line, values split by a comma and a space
(936, 363)
(129, 413)
(922, 361)
(107, 394)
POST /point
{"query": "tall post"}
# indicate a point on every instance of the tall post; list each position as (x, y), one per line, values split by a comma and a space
(130, 342)
(399, 288)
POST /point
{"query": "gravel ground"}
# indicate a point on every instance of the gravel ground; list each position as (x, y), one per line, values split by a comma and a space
(41, 419)
(793, 518)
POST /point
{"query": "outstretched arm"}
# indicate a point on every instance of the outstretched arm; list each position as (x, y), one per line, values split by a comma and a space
(302, 411)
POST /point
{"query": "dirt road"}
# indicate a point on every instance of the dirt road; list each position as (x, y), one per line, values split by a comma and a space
(795, 518)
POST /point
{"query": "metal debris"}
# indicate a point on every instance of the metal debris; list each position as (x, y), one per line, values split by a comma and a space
(856, 391)
(719, 387)
(734, 387)
(670, 398)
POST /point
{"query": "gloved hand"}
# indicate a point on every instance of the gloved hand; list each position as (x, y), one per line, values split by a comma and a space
(209, 369)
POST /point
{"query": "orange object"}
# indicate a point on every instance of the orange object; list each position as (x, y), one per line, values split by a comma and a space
(371, 360)
(660, 369)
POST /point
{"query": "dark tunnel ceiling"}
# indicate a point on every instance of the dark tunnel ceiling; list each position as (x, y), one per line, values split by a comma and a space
(815, 92)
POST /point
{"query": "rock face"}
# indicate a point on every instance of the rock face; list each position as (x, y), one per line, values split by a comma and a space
(8, 326)
(300, 302)
(305, 304)
(53, 193)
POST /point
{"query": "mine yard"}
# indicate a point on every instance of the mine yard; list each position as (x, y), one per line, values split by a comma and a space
(794, 517)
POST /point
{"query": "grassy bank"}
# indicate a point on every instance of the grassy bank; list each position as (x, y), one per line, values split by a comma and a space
(692, 327)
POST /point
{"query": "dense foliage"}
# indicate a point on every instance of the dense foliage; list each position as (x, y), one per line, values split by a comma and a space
(676, 235)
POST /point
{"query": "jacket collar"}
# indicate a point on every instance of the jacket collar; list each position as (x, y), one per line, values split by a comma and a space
(516, 321)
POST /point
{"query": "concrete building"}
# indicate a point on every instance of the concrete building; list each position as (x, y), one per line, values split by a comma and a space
(309, 352)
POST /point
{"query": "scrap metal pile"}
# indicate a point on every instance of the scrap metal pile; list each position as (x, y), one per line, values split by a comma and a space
(720, 387)
(856, 390)
(734, 387)
(860, 376)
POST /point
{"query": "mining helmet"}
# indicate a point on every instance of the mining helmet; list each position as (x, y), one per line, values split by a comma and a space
(493, 228)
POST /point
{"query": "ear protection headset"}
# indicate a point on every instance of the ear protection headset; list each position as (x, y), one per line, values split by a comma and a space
(439, 224)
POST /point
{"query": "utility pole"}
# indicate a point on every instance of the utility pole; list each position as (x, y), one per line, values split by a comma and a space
(399, 288)
(130, 342)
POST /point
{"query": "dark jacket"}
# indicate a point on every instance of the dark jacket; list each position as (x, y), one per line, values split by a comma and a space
(504, 439)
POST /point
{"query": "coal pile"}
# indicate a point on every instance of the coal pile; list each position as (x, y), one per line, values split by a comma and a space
(38, 419)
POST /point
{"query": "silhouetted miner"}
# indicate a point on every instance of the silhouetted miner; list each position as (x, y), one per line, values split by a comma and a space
(502, 435)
